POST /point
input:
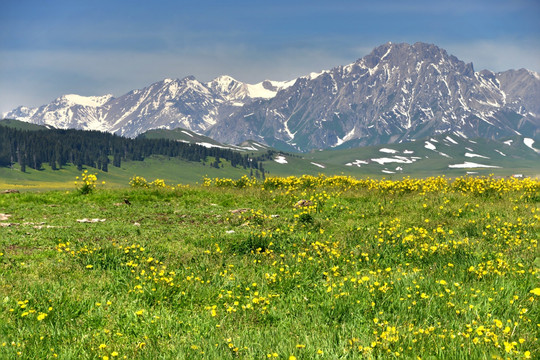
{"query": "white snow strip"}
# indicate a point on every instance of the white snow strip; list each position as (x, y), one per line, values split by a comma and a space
(388, 171)
(258, 91)
(445, 155)
(358, 163)
(283, 84)
(471, 165)
(287, 130)
(471, 155)
(347, 137)
(529, 143)
(319, 165)
(386, 53)
(430, 146)
(338, 142)
(350, 134)
(500, 152)
(508, 142)
(281, 160)
(93, 101)
(451, 140)
(208, 145)
(388, 151)
(185, 132)
(315, 75)
(397, 159)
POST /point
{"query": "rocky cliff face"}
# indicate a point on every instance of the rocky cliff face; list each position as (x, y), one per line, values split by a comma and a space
(398, 92)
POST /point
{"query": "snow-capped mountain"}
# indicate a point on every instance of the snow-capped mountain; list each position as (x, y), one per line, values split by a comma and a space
(232, 89)
(68, 111)
(398, 92)
(169, 104)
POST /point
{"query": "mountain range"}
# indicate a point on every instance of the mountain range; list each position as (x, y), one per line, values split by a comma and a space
(395, 94)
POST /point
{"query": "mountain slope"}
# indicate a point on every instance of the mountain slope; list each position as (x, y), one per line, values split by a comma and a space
(439, 155)
(446, 153)
(22, 125)
(397, 93)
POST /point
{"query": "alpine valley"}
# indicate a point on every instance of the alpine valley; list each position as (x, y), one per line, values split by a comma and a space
(398, 93)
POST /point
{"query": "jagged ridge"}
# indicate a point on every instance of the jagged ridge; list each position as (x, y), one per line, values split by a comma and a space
(398, 92)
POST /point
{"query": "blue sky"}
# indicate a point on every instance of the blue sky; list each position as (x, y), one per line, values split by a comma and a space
(55, 47)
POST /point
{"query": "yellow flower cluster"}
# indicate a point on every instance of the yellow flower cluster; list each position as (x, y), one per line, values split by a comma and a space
(23, 310)
(382, 269)
(138, 182)
(86, 183)
(141, 182)
(482, 186)
(243, 182)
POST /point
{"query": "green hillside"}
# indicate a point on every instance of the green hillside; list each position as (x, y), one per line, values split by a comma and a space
(178, 134)
(22, 125)
(172, 170)
(449, 155)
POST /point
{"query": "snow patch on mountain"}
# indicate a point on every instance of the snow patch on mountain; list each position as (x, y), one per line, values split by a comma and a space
(92, 101)
(357, 163)
(388, 151)
(471, 155)
(395, 159)
(471, 165)
(444, 154)
(259, 91)
(347, 137)
(281, 159)
(430, 146)
(529, 143)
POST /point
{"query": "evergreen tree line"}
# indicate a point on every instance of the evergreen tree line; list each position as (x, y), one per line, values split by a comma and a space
(96, 149)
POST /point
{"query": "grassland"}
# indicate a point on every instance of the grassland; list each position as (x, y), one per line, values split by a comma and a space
(171, 170)
(430, 269)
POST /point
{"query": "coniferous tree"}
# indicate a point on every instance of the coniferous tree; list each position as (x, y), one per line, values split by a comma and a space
(93, 149)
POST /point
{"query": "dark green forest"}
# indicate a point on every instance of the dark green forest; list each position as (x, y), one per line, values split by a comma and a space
(99, 150)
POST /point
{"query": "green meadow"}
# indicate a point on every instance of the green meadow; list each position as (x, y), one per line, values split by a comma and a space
(298, 268)
(172, 170)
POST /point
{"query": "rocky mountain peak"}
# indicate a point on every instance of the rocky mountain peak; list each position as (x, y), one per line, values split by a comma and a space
(398, 92)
